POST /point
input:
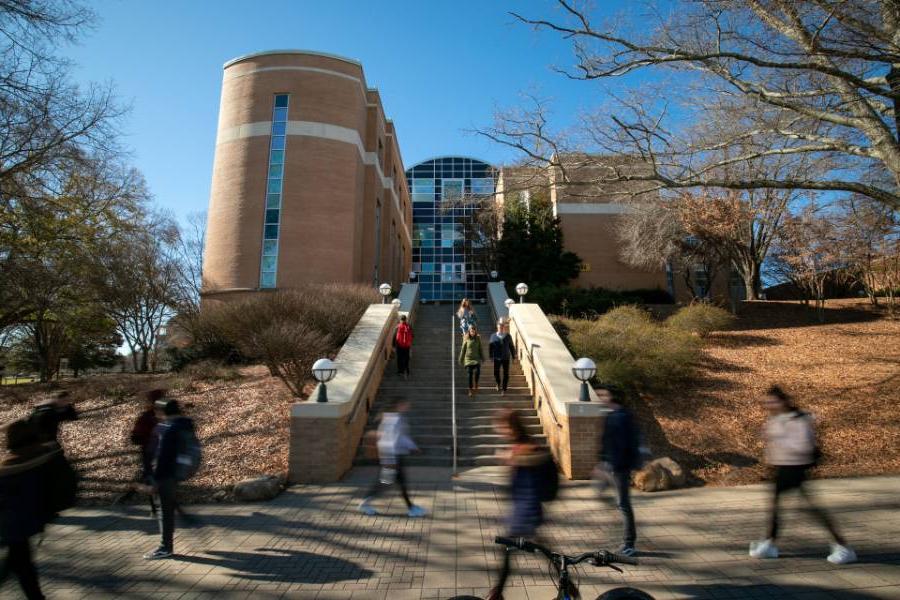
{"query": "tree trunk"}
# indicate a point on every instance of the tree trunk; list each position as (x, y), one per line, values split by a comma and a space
(145, 360)
(750, 273)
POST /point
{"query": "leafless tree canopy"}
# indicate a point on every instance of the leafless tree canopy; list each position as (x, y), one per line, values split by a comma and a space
(815, 83)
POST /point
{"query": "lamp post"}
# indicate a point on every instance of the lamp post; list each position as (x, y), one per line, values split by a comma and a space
(396, 302)
(583, 370)
(509, 304)
(324, 371)
(521, 290)
(412, 276)
(494, 275)
(385, 290)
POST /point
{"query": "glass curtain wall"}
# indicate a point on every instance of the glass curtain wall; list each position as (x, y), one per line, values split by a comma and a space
(443, 260)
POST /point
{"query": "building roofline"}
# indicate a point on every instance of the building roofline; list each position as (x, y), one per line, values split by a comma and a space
(417, 163)
(244, 57)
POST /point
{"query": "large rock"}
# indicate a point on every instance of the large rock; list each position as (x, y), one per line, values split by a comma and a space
(257, 488)
(660, 474)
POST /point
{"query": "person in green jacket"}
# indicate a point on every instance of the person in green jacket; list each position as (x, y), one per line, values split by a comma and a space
(470, 357)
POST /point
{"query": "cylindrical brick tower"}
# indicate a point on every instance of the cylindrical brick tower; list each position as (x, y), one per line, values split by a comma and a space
(304, 163)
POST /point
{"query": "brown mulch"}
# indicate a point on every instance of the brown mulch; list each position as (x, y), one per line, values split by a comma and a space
(845, 371)
(242, 420)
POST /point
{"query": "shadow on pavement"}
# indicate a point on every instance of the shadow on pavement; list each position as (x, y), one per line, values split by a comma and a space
(282, 566)
(784, 592)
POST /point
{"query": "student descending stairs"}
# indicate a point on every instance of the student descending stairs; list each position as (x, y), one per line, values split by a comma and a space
(428, 391)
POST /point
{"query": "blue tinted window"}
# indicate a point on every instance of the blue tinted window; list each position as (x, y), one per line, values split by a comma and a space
(277, 157)
(274, 186)
(281, 101)
(273, 201)
(280, 114)
(278, 142)
(272, 216)
(267, 280)
(268, 263)
(279, 128)
(271, 232)
(270, 247)
(276, 170)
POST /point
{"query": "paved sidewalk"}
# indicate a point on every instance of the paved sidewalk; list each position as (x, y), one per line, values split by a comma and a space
(311, 543)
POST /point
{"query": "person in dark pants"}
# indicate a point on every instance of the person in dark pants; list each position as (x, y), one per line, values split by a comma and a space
(792, 450)
(619, 455)
(501, 350)
(394, 444)
(48, 416)
(403, 338)
(21, 501)
(143, 435)
(165, 484)
(470, 356)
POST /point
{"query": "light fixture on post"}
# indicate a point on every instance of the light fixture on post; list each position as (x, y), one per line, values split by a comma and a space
(385, 290)
(509, 303)
(584, 370)
(494, 275)
(521, 290)
(324, 371)
(396, 302)
(412, 276)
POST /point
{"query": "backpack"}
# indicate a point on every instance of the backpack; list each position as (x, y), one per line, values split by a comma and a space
(59, 486)
(817, 454)
(549, 480)
(189, 455)
(404, 336)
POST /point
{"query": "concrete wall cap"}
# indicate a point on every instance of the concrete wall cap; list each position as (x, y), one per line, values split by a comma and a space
(244, 57)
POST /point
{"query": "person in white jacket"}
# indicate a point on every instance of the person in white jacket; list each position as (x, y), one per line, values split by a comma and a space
(791, 448)
(394, 444)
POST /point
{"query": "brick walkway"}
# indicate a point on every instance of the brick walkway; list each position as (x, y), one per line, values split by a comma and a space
(311, 543)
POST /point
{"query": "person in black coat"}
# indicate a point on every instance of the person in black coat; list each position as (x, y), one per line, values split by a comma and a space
(502, 350)
(21, 515)
(620, 454)
(47, 417)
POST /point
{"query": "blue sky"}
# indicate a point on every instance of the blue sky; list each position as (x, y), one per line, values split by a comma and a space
(441, 67)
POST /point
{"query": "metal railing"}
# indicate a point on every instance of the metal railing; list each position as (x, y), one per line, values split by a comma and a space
(453, 388)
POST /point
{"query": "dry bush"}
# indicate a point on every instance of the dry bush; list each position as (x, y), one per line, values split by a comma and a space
(633, 351)
(210, 370)
(701, 318)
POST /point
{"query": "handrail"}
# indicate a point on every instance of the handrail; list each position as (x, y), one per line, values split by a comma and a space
(453, 386)
(535, 377)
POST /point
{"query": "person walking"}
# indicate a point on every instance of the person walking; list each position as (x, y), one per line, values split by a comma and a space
(501, 351)
(173, 429)
(620, 454)
(470, 356)
(394, 444)
(143, 435)
(790, 447)
(21, 500)
(403, 339)
(48, 416)
(466, 315)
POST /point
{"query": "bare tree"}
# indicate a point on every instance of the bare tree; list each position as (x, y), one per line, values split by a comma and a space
(869, 233)
(185, 250)
(818, 79)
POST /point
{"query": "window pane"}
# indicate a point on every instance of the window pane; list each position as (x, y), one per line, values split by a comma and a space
(423, 197)
(273, 201)
(276, 170)
(483, 186)
(274, 186)
(452, 189)
(268, 263)
(271, 232)
(277, 142)
(277, 157)
(270, 247)
(272, 216)
(280, 114)
(425, 186)
(267, 280)
(281, 100)
(279, 128)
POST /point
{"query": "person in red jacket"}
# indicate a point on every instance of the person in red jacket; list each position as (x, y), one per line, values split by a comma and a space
(403, 338)
(143, 435)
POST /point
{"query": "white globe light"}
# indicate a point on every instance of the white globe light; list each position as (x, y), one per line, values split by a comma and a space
(412, 275)
(584, 369)
(509, 302)
(396, 302)
(493, 274)
(521, 289)
(324, 370)
(384, 289)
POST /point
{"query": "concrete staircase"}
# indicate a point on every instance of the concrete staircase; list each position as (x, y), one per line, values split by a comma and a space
(428, 391)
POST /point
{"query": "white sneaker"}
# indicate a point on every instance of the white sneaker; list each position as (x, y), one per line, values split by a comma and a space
(841, 555)
(416, 511)
(763, 549)
(367, 509)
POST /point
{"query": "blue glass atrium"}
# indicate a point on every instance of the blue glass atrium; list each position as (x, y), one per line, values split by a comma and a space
(444, 262)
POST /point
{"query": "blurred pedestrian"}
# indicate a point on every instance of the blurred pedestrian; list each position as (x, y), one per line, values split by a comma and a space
(143, 435)
(470, 356)
(533, 480)
(48, 415)
(403, 339)
(22, 501)
(791, 448)
(466, 315)
(176, 459)
(620, 454)
(501, 350)
(394, 444)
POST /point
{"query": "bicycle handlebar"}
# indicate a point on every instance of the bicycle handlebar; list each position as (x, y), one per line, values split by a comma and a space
(600, 558)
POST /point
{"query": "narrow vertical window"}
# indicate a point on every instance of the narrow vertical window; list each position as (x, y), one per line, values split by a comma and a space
(274, 191)
(377, 239)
